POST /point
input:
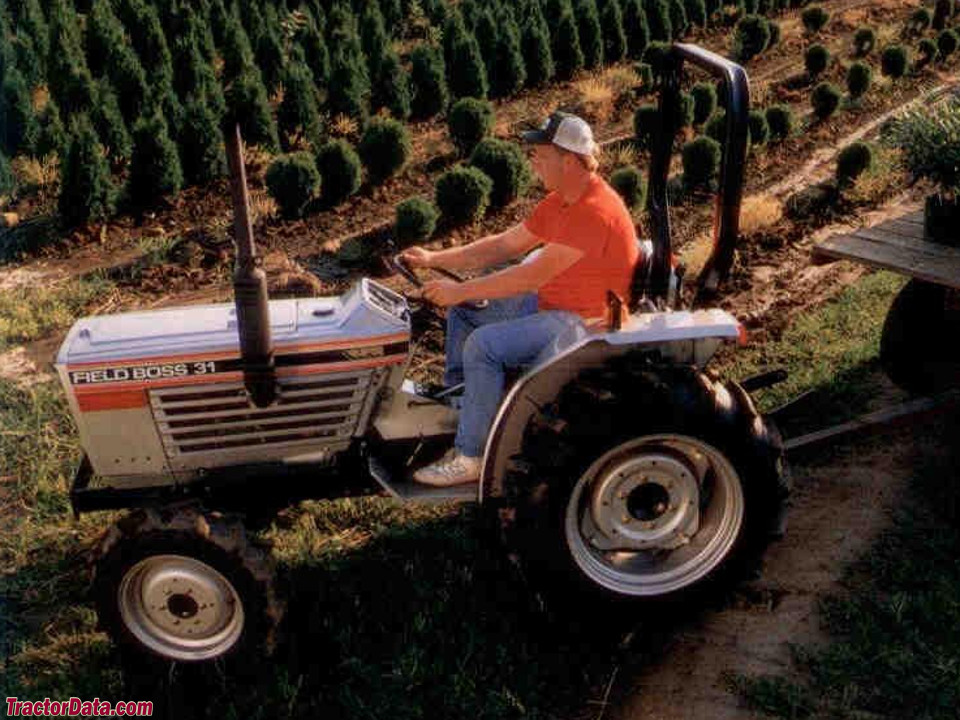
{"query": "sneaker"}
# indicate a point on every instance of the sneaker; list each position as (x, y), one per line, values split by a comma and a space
(453, 468)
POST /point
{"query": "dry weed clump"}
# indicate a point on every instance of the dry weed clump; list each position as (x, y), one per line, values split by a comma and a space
(262, 206)
(616, 156)
(344, 126)
(875, 185)
(595, 99)
(759, 212)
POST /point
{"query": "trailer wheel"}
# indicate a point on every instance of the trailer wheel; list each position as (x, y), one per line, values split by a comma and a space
(640, 485)
(916, 350)
(185, 586)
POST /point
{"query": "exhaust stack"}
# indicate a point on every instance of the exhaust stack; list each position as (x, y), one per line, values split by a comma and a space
(250, 287)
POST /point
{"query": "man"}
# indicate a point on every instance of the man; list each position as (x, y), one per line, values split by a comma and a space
(536, 308)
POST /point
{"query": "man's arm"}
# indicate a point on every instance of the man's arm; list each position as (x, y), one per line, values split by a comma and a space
(527, 277)
(489, 251)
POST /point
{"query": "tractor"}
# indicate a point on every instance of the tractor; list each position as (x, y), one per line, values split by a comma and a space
(619, 473)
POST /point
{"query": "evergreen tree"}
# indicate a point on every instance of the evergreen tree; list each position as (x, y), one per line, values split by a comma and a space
(392, 14)
(218, 17)
(373, 36)
(7, 181)
(33, 23)
(678, 18)
(468, 74)
(486, 34)
(247, 105)
(51, 136)
(146, 34)
(108, 122)
(155, 166)
(311, 39)
(194, 76)
(104, 35)
(343, 38)
(454, 32)
(346, 94)
(591, 35)
(298, 116)
(537, 56)
(509, 74)
(696, 12)
(202, 157)
(18, 124)
(428, 80)
(236, 51)
(268, 50)
(658, 20)
(108, 52)
(568, 55)
(635, 28)
(392, 87)
(614, 38)
(69, 78)
(26, 57)
(86, 190)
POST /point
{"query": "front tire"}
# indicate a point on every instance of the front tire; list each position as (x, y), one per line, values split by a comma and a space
(642, 483)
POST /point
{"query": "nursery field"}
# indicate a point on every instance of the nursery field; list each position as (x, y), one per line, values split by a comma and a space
(378, 120)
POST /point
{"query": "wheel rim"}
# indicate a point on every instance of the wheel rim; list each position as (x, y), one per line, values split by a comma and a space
(654, 515)
(180, 608)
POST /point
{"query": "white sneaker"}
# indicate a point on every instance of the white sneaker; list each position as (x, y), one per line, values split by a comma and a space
(452, 469)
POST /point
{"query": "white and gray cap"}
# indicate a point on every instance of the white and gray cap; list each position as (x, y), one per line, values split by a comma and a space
(566, 131)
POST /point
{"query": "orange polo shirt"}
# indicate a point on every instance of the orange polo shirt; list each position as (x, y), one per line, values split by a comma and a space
(599, 225)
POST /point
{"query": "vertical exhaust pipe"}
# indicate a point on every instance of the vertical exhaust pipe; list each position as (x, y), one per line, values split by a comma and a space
(249, 286)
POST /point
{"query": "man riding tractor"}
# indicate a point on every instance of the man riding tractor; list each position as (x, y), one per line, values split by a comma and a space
(536, 308)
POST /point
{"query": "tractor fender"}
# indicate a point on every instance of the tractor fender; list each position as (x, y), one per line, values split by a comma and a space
(680, 337)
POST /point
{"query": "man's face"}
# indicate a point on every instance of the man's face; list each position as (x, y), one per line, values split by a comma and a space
(548, 163)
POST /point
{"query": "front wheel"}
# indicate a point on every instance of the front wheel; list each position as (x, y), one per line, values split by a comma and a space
(642, 484)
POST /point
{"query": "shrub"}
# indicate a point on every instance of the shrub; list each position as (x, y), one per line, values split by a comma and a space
(293, 181)
(658, 20)
(384, 148)
(591, 34)
(18, 124)
(816, 59)
(859, 77)
(929, 138)
(853, 161)
(781, 122)
(696, 12)
(636, 28)
(340, 171)
(247, 105)
(155, 165)
(347, 93)
(469, 120)
(716, 127)
(864, 40)
(919, 21)
(894, 61)
(759, 129)
(269, 58)
(506, 165)
(429, 83)
(645, 74)
(701, 161)
(567, 53)
(463, 194)
(678, 18)
(628, 182)
(947, 42)
(657, 56)
(108, 121)
(814, 18)
(298, 116)
(825, 99)
(468, 77)
(704, 101)
(614, 37)
(7, 182)
(86, 191)
(813, 201)
(646, 122)
(509, 73)
(200, 143)
(391, 87)
(943, 10)
(685, 110)
(927, 50)
(537, 56)
(314, 47)
(51, 136)
(416, 219)
(751, 37)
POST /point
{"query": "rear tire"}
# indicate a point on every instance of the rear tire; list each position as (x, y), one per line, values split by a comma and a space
(916, 349)
(639, 485)
(184, 586)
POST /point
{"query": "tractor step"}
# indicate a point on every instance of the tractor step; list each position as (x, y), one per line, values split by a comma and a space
(409, 491)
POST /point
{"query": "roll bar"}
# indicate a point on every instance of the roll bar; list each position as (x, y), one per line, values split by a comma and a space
(726, 224)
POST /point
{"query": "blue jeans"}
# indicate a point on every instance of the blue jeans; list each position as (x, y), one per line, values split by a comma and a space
(482, 344)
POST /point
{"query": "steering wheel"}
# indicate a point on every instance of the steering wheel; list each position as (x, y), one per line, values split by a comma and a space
(396, 263)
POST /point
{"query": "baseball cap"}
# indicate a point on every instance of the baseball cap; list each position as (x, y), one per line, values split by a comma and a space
(566, 131)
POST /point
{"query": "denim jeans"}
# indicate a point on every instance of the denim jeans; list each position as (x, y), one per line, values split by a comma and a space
(482, 344)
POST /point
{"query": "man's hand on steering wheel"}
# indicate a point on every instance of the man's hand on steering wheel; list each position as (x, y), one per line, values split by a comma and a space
(417, 256)
(443, 293)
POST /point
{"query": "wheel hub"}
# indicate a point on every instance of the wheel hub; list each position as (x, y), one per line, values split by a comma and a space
(647, 502)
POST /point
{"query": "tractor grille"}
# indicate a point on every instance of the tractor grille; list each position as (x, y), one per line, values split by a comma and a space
(200, 425)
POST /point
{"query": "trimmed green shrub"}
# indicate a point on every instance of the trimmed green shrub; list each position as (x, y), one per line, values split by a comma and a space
(781, 122)
(109, 123)
(658, 20)
(919, 21)
(537, 55)
(854, 160)
(701, 162)
(391, 87)
(567, 53)
(943, 10)
(314, 47)
(751, 37)
(384, 148)
(635, 28)
(194, 76)
(927, 49)
(509, 72)
(696, 12)
(628, 182)
(8, 183)
(236, 51)
(340, 170)
(814, 18)
(816, 59)
(591, 34)
(86, 190)
(270, 59)
(298, 116)
(18, 124)
(463, 194)
(614, 37)
(104, 37)
(155, 165)
(646, 121)
(201, 143)
(864, 40)
(894, 61)
(51, 135)
(947, 42)
(685, 110)
(657, 57)
(247, 105)
(347, 93)
(416, 219)
(825, 100)
(468, 74)
(716, 127)
(678, 18)
(293, 181)
(146, 34)
(759, 129)
(704, 101)
(469, 120)
(428, 81)
(485, 31)
(859, 77)
(373, 36)
(506, 165)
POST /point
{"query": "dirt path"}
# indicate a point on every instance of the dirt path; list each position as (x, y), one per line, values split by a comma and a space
(840, 505)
